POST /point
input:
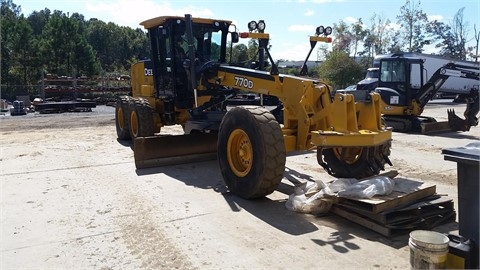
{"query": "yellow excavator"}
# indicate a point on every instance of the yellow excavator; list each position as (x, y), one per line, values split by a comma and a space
(403, 103)
(250, 141)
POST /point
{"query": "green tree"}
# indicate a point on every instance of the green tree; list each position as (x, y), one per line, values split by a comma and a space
(98, 36)
(252, 49)
(340, 69)
(442, 35)
(450, 38)
(23, 48)
(9, 15)
(62, 38)
(38, 20)
(239, 55)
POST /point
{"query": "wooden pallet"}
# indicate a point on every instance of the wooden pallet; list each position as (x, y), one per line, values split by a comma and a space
(411, 205)
(405, 191)
(426, 220)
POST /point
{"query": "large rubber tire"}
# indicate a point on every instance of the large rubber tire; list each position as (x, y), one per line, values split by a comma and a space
(141, 118)
(354, 162)
(122, 122)
(251, 152)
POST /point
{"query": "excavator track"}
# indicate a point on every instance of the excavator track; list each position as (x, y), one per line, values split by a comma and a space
(416, 124)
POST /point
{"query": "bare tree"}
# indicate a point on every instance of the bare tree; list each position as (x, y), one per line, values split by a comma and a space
(477, 39)
(459, 28)
(413, 21)
(379, 28)
(343, 37)
(359, 33)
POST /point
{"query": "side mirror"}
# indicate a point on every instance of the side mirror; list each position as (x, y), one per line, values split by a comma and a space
(235, 37)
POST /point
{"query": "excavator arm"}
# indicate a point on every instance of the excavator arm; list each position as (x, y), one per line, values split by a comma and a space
(429, 90)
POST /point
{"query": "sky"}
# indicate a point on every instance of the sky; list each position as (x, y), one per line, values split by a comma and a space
(289, 22)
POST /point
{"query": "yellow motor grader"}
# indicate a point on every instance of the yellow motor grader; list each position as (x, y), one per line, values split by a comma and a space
(190, 82)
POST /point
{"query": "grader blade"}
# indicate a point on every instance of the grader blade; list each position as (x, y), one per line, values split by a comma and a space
(159, 151)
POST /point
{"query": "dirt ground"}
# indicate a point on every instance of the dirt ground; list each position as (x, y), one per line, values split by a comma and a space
(71, 198)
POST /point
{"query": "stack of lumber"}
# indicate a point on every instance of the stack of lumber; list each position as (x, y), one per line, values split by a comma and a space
(411, 205)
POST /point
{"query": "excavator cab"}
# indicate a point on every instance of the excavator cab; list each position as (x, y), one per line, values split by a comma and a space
(395, 81)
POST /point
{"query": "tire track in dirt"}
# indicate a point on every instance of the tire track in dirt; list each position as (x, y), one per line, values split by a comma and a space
(146, 240)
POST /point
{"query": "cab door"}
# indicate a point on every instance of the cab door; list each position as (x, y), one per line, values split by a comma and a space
(162, 68)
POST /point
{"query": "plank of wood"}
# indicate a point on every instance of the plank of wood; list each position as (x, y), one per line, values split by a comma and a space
(426, 222)
(405, 191)
(390, 230)
(428, 206)
(361, 220)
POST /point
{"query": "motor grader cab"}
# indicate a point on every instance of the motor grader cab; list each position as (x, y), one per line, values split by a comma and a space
(248, 141)
(403, 104)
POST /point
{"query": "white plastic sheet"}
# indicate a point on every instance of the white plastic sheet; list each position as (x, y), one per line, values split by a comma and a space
(321, 202)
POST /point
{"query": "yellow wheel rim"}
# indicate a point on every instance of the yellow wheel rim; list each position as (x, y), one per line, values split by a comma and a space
(120, 118)
(239, 153)
(352, 154)
(134, 123)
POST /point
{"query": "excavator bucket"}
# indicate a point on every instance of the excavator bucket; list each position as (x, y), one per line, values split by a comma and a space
(158, 151)
(458, 124)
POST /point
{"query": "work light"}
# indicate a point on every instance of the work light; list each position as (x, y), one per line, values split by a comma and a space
(261, 26)
(252, 26)
(319, 30)
(328, 31)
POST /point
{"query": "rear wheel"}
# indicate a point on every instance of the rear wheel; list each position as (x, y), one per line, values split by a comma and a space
(141, 118)
(354, 162)
(251, 151)
(121, 118)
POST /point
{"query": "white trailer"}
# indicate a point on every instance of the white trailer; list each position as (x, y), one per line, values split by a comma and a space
(453, 85)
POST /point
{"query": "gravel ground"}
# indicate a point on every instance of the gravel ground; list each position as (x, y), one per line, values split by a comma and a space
(71, 198)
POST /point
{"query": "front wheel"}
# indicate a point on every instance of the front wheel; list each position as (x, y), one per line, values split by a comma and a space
(251, 152)
(354, 162)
